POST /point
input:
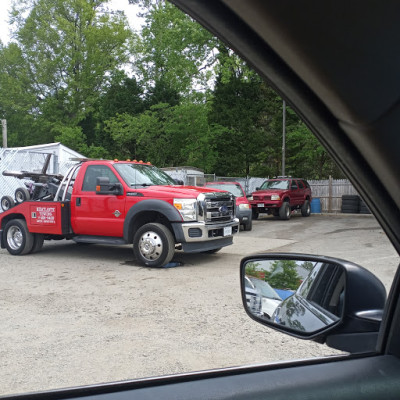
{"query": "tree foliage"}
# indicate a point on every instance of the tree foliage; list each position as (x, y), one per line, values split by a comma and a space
(283, 275)
(170, 93)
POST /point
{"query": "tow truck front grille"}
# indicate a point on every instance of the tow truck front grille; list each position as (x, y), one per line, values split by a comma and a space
(219, 208)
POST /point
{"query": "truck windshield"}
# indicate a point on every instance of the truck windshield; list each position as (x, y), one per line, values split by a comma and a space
(275, 185)
(143, 175)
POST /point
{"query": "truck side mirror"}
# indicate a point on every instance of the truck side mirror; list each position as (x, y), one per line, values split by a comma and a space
(325, 299)
(103, 186)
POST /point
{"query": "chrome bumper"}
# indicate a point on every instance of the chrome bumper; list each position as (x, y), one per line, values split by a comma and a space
(201, 232)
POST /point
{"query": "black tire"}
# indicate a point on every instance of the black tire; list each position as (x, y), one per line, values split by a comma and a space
(248, 226)
(364, 208)
(7, 202)
(350, 209)
(18, 239)
(21, 195)
(306, 209)
(38, 240)
(255, 213)
(350, 204)
(153, 245)
(284, 211)
(350, 197)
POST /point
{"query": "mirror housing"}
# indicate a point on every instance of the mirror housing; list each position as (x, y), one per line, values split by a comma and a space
(336, 302)
(103, 186)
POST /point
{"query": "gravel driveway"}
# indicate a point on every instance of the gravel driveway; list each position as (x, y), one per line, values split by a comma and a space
(77, 315)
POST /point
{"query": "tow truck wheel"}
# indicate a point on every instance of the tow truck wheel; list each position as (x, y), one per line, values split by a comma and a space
(7, 202)
(21, 195)
(38, 240)
(153, 245)
(19, 240)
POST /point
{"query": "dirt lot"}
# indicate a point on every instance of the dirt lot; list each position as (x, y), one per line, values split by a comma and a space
(77, 315)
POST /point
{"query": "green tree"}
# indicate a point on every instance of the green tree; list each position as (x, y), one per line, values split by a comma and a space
(165, 135)
(238, 105)
(70, 49)
(283, 275)
(173, 49)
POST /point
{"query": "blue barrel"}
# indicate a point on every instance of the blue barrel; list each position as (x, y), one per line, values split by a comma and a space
(316, 206)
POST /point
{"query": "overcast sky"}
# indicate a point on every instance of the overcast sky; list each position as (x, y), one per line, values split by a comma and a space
(130, 12)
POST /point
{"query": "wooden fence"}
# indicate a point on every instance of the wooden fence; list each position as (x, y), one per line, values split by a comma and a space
(330, 192)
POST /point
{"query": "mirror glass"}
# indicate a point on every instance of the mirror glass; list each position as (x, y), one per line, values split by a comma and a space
(303, 295)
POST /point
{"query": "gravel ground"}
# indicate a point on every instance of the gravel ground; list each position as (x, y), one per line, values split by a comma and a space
(77, 315)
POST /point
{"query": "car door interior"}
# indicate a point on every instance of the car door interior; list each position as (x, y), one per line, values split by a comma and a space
(347, 122)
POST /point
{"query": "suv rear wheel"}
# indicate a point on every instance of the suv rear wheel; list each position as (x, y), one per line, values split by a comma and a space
(306, 209)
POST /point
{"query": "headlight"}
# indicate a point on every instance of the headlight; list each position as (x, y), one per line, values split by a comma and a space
(275, 197)
(244, 206)
(187, 208)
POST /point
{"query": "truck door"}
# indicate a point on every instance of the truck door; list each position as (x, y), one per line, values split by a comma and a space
(94, 214)
(295, 193)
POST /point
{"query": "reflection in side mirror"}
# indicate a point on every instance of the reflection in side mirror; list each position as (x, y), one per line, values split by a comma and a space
(311, 297)
(291, 293)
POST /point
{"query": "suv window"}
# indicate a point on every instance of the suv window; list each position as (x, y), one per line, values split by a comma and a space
(294, 185)
(301, 185)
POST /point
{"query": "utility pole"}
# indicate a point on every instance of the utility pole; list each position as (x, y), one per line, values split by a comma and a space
(283, 136)
(4, 131)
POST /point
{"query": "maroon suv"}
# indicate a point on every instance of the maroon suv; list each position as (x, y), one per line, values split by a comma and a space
(280, 196)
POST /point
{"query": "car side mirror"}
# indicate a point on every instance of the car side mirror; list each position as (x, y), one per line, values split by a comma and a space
(178, 181)
(257, 188)
(310, 297)
(103, 186)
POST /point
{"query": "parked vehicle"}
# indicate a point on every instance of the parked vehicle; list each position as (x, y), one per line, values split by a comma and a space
(123, 202)
(270, 299)
(281, 196)
(337, 64)
(243, 208)
(253, 297)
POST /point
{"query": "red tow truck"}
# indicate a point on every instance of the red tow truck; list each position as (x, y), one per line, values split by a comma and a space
(119, 202)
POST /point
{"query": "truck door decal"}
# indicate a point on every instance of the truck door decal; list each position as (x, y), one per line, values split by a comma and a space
(44, 215)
